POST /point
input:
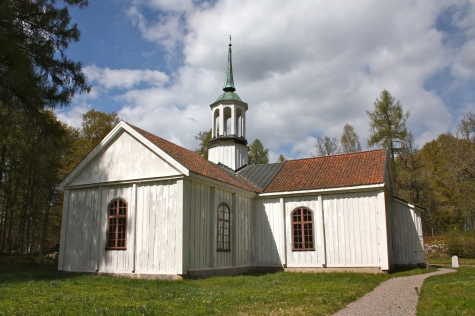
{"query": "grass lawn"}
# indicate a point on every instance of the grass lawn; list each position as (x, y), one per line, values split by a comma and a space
(449, 294)
(33, 287)
(443, 259)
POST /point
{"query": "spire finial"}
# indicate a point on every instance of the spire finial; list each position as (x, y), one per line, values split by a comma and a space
(229, 83)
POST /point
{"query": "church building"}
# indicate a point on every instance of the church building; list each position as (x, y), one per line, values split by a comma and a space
(141, 206)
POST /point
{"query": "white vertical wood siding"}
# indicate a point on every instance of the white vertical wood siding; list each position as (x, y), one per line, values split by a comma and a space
(408, 247)
(201, 202)
(124, 159)
(116, 260)
(159, 228)
(86, 228)
(314, 258)
(353, 229)
(80, 230)
(268, 233)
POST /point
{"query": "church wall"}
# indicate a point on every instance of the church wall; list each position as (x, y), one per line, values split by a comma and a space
(125, 159)
(408, 246)
(159, 228)
(154, 243)
(201, 202)
(355, 230)
(84, 231)
(313, 258)
(268, 233)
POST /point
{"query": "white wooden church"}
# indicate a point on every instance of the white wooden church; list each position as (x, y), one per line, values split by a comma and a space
(144, 207)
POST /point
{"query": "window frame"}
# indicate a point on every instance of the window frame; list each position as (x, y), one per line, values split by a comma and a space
(301, 229)
(222, 245)
(117, 217)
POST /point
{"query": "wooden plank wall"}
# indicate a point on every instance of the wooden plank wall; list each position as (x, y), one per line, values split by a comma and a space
(158, 228)
(268, 233)
(124, 159)
(79, 231)
(315, 258)
(352, 226)
(408, 247)
(201, 202)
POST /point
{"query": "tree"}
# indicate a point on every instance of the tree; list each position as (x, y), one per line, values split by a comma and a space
(466, 127)
(35, 72)
(350, 141)
(281, 158)
(326, 146)
(204, 138)
(387, 123)
(95, 126)
(257, 153)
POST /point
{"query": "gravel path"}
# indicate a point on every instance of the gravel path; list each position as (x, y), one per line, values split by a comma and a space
(394, 297)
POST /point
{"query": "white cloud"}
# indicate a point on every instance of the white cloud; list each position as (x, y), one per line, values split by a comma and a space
(124, 78)
(306, 68)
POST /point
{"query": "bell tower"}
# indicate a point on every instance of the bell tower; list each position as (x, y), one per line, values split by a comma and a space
(228, 144)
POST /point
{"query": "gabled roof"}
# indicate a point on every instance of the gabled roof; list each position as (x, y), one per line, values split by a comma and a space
(194, 162)
(355, 169)
(261, 175)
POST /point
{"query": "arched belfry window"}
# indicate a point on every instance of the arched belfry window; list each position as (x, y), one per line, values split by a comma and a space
(302, 229)
(224, 227)
(117, 225)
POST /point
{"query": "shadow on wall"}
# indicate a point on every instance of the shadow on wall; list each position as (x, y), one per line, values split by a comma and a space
(269, 248)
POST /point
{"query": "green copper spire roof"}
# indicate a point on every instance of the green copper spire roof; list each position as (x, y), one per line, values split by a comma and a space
(229, 84)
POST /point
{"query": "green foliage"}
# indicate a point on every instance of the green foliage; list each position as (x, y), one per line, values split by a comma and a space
(281, 158)
(448, 294)
(35, 70)
(204, 138)
(387, 123)
(258, 154)
(350, 141)
(461, 243)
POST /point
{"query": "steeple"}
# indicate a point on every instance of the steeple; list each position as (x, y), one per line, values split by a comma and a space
(228, 144)
(229, 83)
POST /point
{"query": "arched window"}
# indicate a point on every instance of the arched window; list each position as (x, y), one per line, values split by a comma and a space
(224, 227)
(302, 229)
(117, 229)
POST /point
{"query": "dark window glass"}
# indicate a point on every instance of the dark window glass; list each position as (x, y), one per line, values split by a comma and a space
(302, 229)
(223, 227)
(117, 228)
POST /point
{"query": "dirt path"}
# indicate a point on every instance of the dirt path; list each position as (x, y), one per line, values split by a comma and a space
(398, 296)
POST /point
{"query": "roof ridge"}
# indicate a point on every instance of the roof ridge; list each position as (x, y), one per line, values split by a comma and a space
(337, 155)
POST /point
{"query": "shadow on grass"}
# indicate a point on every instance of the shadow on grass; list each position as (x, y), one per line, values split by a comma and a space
(25, 268)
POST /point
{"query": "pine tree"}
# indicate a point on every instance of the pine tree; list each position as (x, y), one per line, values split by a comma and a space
(258, 154)
(387, 123)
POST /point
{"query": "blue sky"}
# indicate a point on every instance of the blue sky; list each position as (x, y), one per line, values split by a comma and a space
(306, 68)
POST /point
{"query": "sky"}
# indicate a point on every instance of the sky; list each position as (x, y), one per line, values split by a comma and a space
(305, 68)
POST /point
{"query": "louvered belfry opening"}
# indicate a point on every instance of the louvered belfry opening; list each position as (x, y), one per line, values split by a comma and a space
(224, 227)
(302, 229)
(117, 232)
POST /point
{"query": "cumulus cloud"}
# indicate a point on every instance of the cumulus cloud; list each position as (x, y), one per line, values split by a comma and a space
(306, 68)
(124, 78)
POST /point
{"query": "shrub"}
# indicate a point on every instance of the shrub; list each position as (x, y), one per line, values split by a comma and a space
(461, 243)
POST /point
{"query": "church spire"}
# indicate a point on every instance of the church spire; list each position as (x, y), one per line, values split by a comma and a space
(229, 84)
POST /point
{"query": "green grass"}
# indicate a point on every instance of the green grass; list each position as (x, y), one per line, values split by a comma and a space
(33, 286)
(448, 294)
(443, 259)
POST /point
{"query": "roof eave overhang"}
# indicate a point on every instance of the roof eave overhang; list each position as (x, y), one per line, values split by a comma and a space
(224, 102)
(413, 206)
(370, 187)
(116, 131)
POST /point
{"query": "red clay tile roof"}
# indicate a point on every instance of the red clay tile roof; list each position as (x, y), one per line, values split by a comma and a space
(346, 170)
(194, 162)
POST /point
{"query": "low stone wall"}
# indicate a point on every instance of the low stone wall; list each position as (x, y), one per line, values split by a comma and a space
(430, 248)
